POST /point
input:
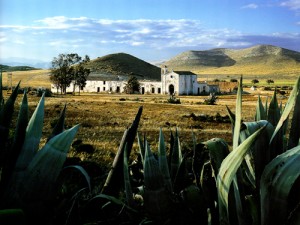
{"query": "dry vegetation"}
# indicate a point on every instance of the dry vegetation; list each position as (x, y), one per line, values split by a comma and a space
(104, 117)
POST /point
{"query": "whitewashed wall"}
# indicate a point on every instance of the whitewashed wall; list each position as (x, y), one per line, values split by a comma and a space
(182, 84)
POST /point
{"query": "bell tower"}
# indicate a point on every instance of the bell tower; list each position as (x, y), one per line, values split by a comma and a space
(164, 70)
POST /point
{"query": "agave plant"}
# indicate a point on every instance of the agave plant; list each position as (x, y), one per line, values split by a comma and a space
(28, 174)
(256, 182)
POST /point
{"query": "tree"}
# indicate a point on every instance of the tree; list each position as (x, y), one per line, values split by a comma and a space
(270, 81)
(80, 74)
(64, 71)
(133, 85)
(255, 81)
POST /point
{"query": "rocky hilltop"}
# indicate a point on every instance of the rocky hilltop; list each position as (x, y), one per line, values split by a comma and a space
(260, 59)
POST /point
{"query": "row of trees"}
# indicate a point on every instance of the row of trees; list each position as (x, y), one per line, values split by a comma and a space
(68, 68)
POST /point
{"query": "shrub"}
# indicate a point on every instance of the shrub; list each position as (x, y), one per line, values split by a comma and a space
(211, 100)
(173, 100)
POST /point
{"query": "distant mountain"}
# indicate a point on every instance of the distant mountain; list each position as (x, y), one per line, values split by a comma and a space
(16, 61)
(260, 59)
(125, 65)
(5, 68)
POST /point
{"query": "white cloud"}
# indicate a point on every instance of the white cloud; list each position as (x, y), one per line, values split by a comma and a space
(292, 4)
(250, 6)
(97, 37)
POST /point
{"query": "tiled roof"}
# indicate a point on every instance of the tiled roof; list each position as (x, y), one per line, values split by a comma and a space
(185, 73)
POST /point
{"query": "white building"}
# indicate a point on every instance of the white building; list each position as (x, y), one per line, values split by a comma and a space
(172, 82)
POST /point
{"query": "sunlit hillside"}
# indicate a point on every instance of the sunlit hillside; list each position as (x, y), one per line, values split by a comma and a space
(32, 78)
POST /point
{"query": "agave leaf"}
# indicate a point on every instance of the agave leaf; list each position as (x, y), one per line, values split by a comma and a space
(230, 166)
(260, 110)
(176, 157)
(112, 199)
(128, 189)
(295, 125)
(113, 182)
(172, 141)
(108, 187)
(83, 172)
(156, 196)
(163, 162)
(276, 183)
(288, 108)
(1, 94)
(12, 217)
(218, 150)
(60, 125)
(18, 141)
(238, 115)
(231, 115)
(153, 178)
(45, 167)
(32, 137)
(273, 111)
(260, 153)
(266, 107)
(141, 146)
(6, 113)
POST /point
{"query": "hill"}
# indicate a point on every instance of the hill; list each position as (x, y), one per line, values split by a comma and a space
(6, 68)
(260, 59)
(124, 64)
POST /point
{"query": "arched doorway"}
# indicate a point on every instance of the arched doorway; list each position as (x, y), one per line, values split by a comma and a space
(171, 89)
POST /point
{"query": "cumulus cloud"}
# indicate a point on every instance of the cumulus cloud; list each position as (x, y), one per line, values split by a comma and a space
(62, 34)
(250, 6)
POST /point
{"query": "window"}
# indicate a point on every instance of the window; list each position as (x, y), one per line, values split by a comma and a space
(98, 89)
(158, 90)
(103, 88)
(104, 82)
(153, 90)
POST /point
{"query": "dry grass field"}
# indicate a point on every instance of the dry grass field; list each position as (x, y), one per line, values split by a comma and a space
(33, 78)
(104, 117)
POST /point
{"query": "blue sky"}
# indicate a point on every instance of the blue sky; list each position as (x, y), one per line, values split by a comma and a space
(152, 30)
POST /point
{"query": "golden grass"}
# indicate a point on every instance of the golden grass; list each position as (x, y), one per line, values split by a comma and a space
(104, 118)
(32, 78)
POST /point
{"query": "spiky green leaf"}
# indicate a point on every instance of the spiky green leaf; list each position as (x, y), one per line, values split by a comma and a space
(260, 111)
(273, 110)
(218, 150)
(176, 157)
(163, 162)
(295, 125)
(46, 165)
(141, 146)
(32, 137)
(153, 177)
(230, 166)
(238, 115)
(128, 189)
(83, 172)
(276, 183)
